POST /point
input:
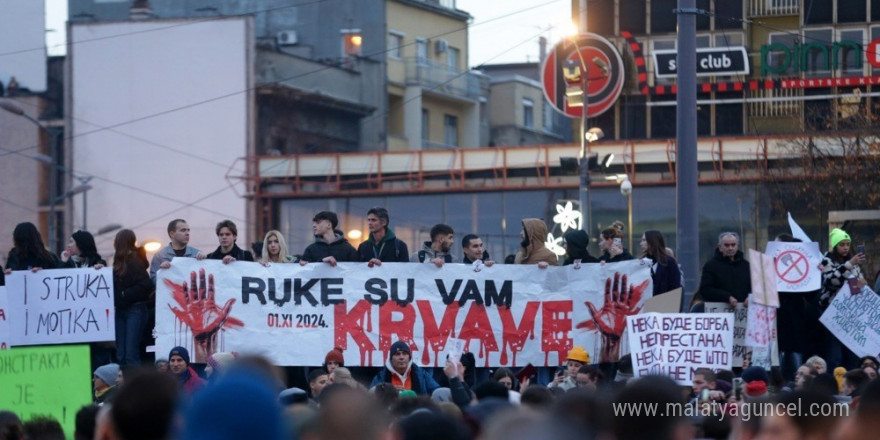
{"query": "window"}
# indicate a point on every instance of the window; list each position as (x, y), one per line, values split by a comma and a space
(450, 130)
(852, 11)
(816, 50)
(426, 122)
(728, 39)
(703, 20)
(662, 17)
(528, 113)
(547, 114)
(704, 41)
(663, 44)
(728, 14)
(452, 56)
(351, 42)
(634, 20)
(600, 16)
(781, 62)
(818, 12)
(849, 57)
(421, 50)
(395, 45)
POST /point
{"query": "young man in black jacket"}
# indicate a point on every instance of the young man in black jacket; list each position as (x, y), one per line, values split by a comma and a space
(228, 251)
(330, 245)
(382, 245)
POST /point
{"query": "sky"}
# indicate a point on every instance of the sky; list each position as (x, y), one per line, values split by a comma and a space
(502, 31)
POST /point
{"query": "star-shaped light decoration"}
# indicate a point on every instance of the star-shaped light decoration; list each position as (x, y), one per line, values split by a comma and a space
(554, 244)
(567, 218)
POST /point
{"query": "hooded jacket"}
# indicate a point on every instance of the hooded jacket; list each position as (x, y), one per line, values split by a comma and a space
(338, 248)
(723, 278)
(427, 253)
(422, 382)
(576, 243)
(389, 250)
(535, 252)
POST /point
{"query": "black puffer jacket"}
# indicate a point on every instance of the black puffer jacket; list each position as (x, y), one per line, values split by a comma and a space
(135, 286)
(723, 278)
(339, 248)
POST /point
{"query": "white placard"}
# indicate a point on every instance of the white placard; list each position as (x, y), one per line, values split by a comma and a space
(763, 276)
(743, 355)
(796, 266)
(855, 320)
(677, 344)
(61, 306)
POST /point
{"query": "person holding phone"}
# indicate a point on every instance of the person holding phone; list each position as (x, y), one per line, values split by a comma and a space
(566, 375)
(840, 265)
(611, 244)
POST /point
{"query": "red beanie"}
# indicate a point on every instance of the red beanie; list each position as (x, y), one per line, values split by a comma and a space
(335, 355)
(756, 388)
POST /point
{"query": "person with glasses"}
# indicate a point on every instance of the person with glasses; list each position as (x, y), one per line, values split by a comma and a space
(726, 277)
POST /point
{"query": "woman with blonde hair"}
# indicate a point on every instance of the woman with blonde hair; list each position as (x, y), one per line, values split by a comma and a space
(275, 249)
(343, 375)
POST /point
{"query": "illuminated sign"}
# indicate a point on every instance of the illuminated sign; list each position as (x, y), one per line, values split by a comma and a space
(823, 56)
(710, 62)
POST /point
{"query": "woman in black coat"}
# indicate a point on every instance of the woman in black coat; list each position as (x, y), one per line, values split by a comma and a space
(81, 252)
(133, 292)
(29, 252)
(664, 270)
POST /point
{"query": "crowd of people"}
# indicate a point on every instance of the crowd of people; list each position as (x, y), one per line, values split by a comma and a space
(234, 396)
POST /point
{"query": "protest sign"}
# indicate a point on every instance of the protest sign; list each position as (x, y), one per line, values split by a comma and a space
(743, 355)
(677, 344)
(796, 266)
(855, 320)
(508, 315)
(669, 302)
(61, 306)
(53, 381)
(763, 274)
(759, 324)
(4, 319)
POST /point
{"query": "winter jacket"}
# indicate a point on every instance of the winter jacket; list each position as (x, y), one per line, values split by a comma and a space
(76, 261)
(427, 253)
(190, 381)
(167, 254)
(665, 277)
(461, 392)
(834, 275)
(134, 286)
(576, 242)
(466, 260)
(624, 256)
(423, 383)
(535, 252)
(339, 248)
(15, 261)
(723, 278)
(236, 252)
(389, 250)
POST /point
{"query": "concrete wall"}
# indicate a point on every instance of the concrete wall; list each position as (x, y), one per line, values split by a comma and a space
(22, 42)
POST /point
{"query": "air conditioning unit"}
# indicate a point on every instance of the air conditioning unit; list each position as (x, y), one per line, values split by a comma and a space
(440, 46)
(286, 38)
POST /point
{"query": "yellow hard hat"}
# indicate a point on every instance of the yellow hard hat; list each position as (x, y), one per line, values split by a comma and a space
(578, 354)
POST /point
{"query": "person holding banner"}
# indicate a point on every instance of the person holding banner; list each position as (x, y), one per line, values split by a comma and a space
(178, 232)
(330, 245)
(133, 296)
(840, 265)
(81, 252)
(664, 269)
(29, 252)
(437, 250)
(575, 243)
(532, 249)
(611, 244)
(228, 251)
(275, 249)
(382, 244)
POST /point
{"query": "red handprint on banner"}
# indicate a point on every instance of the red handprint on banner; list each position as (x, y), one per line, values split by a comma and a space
(621, 300)
(201, 314)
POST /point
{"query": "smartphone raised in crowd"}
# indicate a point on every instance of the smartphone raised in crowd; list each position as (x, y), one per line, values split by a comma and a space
(860, 249)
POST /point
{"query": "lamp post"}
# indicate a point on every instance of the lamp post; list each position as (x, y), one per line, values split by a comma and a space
(84, 180)
(51, 160)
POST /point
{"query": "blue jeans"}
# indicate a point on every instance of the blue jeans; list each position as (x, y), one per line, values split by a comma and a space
(131, 323)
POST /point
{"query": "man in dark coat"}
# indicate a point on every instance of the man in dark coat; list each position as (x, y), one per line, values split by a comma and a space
(382, 245)
(726, 277)
(228, 251)
(401, 372)
(330, 245)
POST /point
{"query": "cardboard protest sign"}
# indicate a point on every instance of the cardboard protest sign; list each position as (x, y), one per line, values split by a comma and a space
(61, 306)
(669, 302)
(52, 380)
(4, 319)
(763, 274)
(759, 325)
(855, 320)
(743, 355)
(796, 266)
(677, 344)
(508, 315)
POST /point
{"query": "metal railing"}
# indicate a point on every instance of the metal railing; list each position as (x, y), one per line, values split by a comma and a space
(442, 78)
(773, 8)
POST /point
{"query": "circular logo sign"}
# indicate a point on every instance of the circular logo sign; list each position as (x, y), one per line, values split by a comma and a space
(598, 59)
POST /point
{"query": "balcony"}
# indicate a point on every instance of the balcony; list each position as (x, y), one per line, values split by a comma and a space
(441, 78)
(773, 8)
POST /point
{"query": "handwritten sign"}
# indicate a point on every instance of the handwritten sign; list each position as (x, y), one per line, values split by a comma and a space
(53, 381)
(855, 320)
(796, 266)
(743, 355)
(508, 315)
(759, 328)
(763, 276)
(4, 319)
(61, 306)
(677, 344)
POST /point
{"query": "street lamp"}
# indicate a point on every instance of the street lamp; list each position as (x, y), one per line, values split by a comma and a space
(51, 160)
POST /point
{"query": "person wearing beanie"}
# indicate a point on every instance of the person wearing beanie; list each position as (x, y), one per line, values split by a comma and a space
(334, 359)
(81, 252)
(178, 364)
(218, 362)
(104, 383)
(402, 373)
(566, 378)
(840, 265)
(755, 380)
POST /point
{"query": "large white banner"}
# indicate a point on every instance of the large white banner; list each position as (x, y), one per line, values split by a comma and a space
(61, 306)
(855, 320)
(797, 266)
(508, 315)
(677, 344)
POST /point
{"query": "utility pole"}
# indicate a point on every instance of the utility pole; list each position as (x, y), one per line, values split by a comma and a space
(584, 193)
(687, 227)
